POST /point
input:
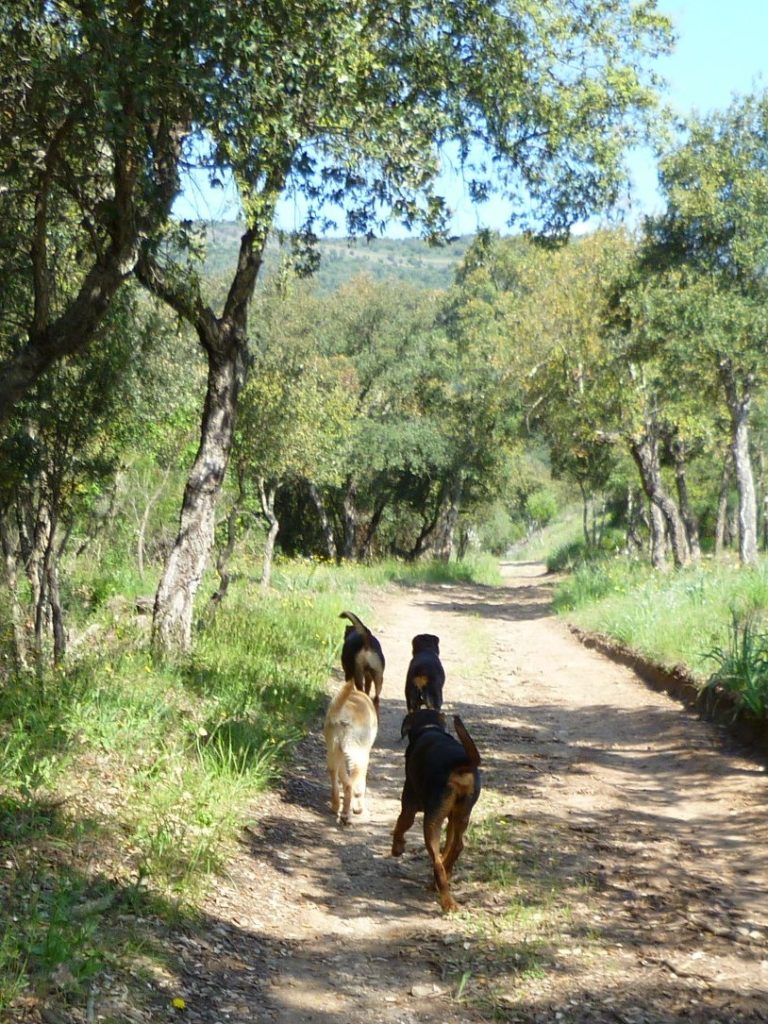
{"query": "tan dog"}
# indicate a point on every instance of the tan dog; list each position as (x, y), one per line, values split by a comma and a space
(349, 730)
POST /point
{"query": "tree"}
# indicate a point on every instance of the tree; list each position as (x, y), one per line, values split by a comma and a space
(345, 103)
(708, 253)
(295, 412)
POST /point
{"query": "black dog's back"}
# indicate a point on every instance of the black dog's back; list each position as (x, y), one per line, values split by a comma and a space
(433, 755)
(425, 678)
(362, 657)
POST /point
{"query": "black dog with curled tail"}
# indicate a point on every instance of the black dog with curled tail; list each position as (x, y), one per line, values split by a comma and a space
(362, 657)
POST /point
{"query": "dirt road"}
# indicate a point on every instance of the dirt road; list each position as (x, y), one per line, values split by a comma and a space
(615, 869)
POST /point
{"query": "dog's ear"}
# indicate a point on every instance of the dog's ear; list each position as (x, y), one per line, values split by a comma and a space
(406, 726)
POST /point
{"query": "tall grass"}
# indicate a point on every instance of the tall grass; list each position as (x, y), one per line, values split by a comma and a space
(672, 618)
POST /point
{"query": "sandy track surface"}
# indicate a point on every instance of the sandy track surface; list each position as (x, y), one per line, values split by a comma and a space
(648, 835)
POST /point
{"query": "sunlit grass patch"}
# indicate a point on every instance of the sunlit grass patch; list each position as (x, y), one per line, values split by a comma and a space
(671, 618)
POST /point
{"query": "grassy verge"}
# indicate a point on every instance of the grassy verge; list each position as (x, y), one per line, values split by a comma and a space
(123, 786)
(711, 618)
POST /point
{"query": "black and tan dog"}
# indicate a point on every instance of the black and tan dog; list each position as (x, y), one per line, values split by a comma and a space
(362, 657)
(425, 677)
(443, 781)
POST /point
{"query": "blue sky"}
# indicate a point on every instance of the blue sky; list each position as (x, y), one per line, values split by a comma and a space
(722, 50)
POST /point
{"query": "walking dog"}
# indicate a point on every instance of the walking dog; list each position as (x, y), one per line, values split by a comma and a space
(350, 729)
(443, 781)
(362, 657)
(425, 677)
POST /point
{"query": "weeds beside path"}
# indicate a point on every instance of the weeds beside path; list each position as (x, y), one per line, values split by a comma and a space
(614, 870)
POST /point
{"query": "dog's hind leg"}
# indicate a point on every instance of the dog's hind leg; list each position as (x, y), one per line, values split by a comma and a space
(432, 827)
(405, 820)
(334, 777)
(357, 776)
(454, 842)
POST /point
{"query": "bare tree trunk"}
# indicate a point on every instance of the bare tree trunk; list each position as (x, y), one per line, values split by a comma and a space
(267, 495)
(57, 615)
(658, 537)
(373, 525)
(349, 520)
(721, 523)
(10, 560)
(738, 407)
(688, 516)
(225, 342)
(174, 601)
(645, 452)
(585, 513)
(449, 519)
(222, 562)
(325, 522)
(634, 513)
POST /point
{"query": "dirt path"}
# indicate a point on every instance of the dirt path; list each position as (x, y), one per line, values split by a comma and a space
(615, 871)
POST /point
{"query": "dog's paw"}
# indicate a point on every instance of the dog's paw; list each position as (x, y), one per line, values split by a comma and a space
(449, 904)
(398, 846)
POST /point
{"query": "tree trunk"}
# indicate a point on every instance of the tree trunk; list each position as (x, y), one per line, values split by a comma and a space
(325, 522)
(10, 560)
(721, 523)
(688, 515)
(449, 519)
(585, 513)
(349, 521)
(738, 408)
(222, 562)
(373, 525)
(645, 452)
(634, 541)
(658, 537)
(144, 521)
(267, 495)
(174, 601)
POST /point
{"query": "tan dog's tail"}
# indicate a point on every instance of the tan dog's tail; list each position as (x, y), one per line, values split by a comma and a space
(361, 628)
(341, 698)
(467, 742)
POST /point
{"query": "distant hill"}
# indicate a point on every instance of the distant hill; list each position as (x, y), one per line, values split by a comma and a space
(408, 259)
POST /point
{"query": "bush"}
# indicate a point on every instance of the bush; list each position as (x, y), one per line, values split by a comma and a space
(742, 667)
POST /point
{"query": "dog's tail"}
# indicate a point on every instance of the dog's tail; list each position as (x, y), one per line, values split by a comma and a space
(467, 742)
(341, 697)
(361, 628)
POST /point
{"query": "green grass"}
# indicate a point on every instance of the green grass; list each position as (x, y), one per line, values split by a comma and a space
(709, 618)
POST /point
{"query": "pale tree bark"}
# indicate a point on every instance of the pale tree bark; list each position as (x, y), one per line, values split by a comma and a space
(658, 537)
(366, 548)
(634, 542)
(739, 402)
(349, 520)
(267, 494)
(721, 523)
(449, 518)
(10, 562)
(225, 343)
(325, 522)
(686, 511)
(174, 600)
(645, 452)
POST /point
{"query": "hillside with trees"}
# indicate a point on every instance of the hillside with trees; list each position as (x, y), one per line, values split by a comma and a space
(413, 261)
